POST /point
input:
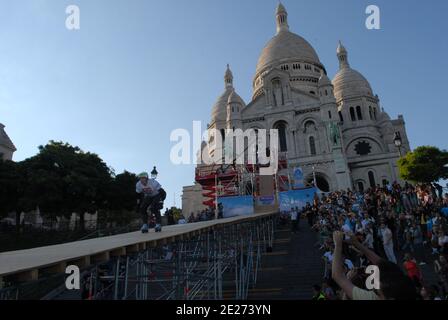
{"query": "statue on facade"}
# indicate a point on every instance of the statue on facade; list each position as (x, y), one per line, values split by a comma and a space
(335, 134)
(278, 94)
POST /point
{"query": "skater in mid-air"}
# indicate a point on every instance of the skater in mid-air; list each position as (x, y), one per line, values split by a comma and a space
(150, 195)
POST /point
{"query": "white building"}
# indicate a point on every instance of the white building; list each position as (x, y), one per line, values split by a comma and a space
(336, 127)
(7, 148)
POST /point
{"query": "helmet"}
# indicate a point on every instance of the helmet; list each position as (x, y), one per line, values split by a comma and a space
(143, 175)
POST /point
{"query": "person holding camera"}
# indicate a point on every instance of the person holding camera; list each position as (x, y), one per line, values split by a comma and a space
(393, 283)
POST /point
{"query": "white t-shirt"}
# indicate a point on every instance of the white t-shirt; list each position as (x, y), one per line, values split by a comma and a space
(293, 215)
(349, 264)
(361, 294)
(151, 188)
(443, 240)
(329, 256)
(387, 236)
(368, 242)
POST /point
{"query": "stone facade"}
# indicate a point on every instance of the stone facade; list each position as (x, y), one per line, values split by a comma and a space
(336, 129)
(192, 200)
(7, 148)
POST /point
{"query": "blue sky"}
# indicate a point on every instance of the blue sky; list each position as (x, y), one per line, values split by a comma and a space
(138, 69)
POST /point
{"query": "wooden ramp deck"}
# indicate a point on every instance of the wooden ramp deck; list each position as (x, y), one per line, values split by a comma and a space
(27, 265)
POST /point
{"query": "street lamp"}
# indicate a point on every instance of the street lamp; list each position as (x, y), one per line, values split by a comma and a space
(314, 177)
(398, 142)
(154, 173)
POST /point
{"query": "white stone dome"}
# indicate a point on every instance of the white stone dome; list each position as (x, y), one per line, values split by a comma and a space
(286, 46)
(324, 80)
(349, 82)
(235, 98)
(219, 111)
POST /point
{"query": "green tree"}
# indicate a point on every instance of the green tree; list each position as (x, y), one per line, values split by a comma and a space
(13, 191)
(176, 213)
(425, 164)
(64, 180)
(121, 199)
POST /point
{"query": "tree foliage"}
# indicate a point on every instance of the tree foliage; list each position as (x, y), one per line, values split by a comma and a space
(425, 164)
(62, 179)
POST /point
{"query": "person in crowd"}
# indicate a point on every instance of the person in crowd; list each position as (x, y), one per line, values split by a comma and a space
(318, 294)
(412, 269)
(392, 227)
(394, 285)
(443, 242)
(388, 244)
(309, 211)
(294, 220)
(441, 269)
(181, 220)
(328, 291)
(427, 293)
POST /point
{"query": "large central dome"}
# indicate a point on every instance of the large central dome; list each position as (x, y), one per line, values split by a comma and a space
(286, 46)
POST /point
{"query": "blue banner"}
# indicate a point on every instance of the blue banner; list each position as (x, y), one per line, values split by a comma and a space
(298, 179)
(236, 206)
(265, 201)
(296, 198)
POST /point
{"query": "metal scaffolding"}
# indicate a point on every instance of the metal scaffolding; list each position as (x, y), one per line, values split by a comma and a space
(216, 262)
(190, 269)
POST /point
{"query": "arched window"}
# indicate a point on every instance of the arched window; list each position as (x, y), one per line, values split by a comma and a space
(358, 112)
(340, 116)
(370, 112)
(310, 126)
(374, 113)
(312, 146)
(352, 114)
(329, 114)
(372, 179)
(360, 186)
(281, 127)
(223, 135)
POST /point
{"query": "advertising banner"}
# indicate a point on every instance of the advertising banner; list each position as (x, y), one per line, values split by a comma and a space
(265, 201)
(236, 206)
(298, 179)
(296, 198)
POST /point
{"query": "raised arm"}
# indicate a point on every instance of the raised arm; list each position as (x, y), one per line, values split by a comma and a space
(337, 268)
(371, 255)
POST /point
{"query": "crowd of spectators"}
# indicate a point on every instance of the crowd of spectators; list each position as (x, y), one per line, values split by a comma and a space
(204, 215)
(398, 229)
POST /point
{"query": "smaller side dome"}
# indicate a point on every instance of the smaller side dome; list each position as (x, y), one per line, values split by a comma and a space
(219, 110)
(234, 98)
(349, 82)
(324, 80)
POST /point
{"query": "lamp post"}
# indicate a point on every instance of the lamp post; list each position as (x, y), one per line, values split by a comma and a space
(314, 177)
(154, 173)
(398, 142)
